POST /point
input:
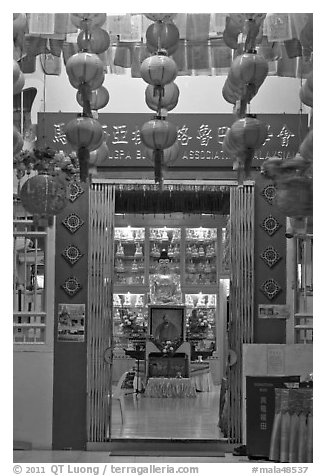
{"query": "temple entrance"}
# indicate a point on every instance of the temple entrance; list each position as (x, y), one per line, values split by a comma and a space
(145, 389)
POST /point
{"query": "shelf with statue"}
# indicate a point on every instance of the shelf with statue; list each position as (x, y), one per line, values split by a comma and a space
(129, 261)
(165, 287)
(200, 256)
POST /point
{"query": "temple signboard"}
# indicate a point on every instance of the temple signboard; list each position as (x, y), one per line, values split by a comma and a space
(200, 137)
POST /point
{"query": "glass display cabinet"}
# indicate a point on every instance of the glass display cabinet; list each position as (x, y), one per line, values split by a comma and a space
(200, 256)
(129, 264)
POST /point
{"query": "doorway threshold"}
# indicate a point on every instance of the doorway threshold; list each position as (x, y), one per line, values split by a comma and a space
(163, 447)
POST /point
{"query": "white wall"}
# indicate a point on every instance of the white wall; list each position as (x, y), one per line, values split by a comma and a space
(200, 94)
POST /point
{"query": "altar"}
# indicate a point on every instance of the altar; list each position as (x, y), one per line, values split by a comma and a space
(170, 387)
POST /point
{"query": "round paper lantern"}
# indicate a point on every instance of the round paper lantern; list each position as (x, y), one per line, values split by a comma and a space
(306, 147)
(294, 196)
(16, 72)
(169, 156)
(87, 20)
(162, 35)
(44, 195)
(160, 16)
(19, 84)
(98, 99)
(169, 97)
(18, 141)
(249, 132)
(158, 134)
(98, 42)
(19, 23)
(271, 167)
(84, 132)
(158, 70)
(249, 68)
(96, 157)
(84, 68)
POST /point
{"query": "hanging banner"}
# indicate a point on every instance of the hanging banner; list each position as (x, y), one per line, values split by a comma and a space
(200, 138)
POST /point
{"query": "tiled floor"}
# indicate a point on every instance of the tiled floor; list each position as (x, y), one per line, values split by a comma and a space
(187, 418)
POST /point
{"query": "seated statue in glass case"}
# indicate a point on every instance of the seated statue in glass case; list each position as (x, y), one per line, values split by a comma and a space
(165, 285)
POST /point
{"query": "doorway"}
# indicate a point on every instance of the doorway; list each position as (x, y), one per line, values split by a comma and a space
(142, 415)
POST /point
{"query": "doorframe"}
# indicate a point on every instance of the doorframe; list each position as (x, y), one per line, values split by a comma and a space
(133, 181)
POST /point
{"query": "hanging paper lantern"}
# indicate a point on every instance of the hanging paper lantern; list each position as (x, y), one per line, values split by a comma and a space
(233, 92)
(169, 96)
(158, 134)
(166, 17)
(246, 135)
(170, 154)
(87, 20)
(19, 23)
(16, 72)
(294, 196)
(98, 41)
(19, 84)
(100, 155)
(249, 68)
(161, 35)
(84, 68)
(306, 147)
(271, 167)
(306, 91)
(158, 70)
(98, 98)
(84, 132)
(18, 141)
(233, 27)
(44, 196)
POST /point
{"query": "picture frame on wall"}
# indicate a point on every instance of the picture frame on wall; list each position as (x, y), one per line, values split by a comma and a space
(167, 323)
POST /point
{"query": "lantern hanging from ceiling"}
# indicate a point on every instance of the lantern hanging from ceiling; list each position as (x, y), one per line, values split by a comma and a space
(87, 20)
(158, 70)
(249, 68)
(161, 35)
(158, 134)
(84, 134)
(166, 98)
(86, 68)
(98, 98)
(44, 196)
(306, 91)
(246, 135)
(99, 155)
(96, 40)
(164, 17)
(294, 196)
(18, 141)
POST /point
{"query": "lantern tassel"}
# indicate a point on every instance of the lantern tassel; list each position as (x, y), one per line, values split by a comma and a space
(83, 159)
(248, 156)
(158, 153)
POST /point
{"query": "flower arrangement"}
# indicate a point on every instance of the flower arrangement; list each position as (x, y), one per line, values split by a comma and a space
(49, 161)
(167, 347)
(198, 323)
(129, 323)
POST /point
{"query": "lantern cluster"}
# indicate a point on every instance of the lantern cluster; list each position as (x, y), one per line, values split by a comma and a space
(293, 177)
(85, 72)
(159, 136)
(247, 73)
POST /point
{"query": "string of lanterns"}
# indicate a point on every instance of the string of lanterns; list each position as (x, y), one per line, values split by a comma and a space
(246, 75)
(159, 136)
(85, 72)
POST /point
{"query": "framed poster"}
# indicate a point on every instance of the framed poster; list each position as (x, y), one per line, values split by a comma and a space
(167, 323)
(71, 322)
(268, 311)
